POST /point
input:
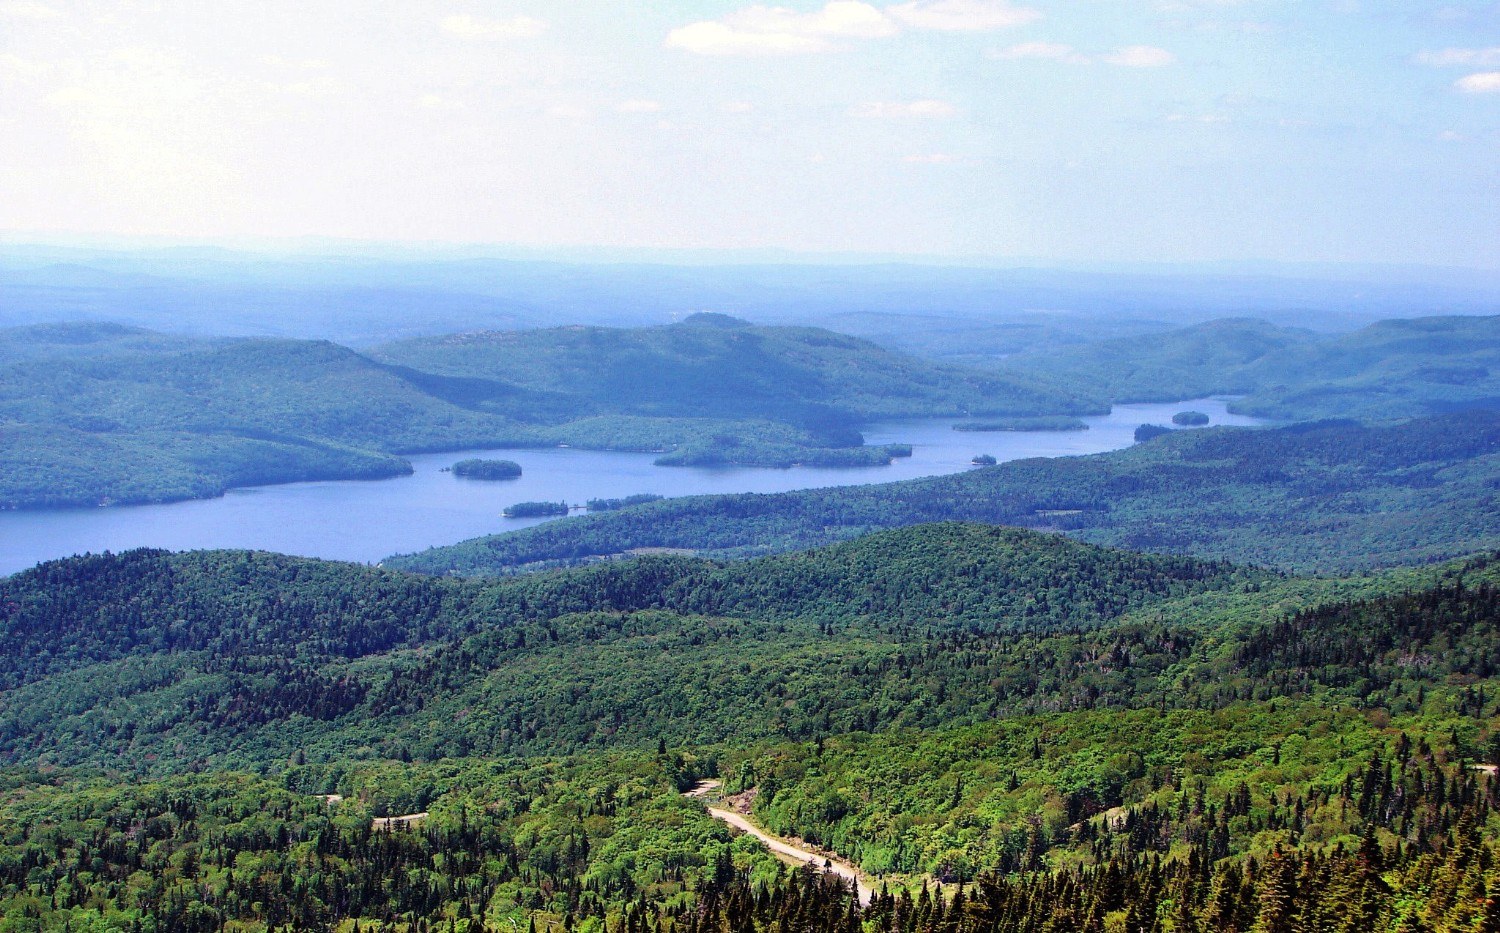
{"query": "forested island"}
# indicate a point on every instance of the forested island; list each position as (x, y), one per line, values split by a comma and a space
(535, 509)
(1324, 496)
(476, 468)
(1024, 424)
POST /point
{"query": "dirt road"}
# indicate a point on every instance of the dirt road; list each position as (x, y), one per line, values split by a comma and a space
(787, 850)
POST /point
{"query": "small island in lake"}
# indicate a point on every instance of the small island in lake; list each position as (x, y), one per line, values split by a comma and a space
(1190, 419)
(983, 460)
(535, 509)
(476, 468)
(1147, 431)
(1045, 423)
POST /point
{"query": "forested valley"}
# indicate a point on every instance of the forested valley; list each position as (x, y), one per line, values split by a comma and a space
(1003, 729)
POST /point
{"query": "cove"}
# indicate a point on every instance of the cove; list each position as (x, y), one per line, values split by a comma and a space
(366, 521)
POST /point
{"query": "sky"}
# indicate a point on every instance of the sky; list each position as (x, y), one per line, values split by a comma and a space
(1047, 130)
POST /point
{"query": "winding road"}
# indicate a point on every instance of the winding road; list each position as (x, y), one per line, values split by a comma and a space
(788, 850)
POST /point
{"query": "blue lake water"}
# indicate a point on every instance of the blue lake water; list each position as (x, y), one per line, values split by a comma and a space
(372, 519)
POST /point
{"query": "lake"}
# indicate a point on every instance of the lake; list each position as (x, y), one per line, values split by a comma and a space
(369, 520)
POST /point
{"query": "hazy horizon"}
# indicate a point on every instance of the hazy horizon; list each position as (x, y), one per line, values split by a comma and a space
(1035, 132)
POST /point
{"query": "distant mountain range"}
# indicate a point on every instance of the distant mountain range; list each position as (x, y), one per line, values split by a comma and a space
(93, 414)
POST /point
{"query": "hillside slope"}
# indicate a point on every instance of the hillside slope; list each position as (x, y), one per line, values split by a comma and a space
(715, 366)
(96, 414)
(1321, 496)
(1389, 369)
(211, 654)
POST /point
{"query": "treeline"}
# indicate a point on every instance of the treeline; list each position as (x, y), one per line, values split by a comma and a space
(1346, 890)
(94, 415)
(1333, 496)
(609, 845)
(159, 661)
(574, 840)
(1390, 369)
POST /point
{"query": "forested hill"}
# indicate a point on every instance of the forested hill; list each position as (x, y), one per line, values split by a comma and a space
(1321, 496)
(240, 641)
(712, 365)
(1390, 369)
(1221, 732)
(96, 414)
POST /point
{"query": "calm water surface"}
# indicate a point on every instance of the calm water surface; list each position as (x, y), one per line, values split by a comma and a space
(372, 519)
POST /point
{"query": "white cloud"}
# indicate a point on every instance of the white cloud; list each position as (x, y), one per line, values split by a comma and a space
(1130, 56)
(1050, 51)
(720, 39)
(962, 15)
(763, 30)
(1139, 56)
(1450, 57)
(23, 9)
(568, 112)
(1199, 118)
(930, 158)
(299, 64)
(842, 19)
(737, 106)
(921, 109)
(1484, 82)
(638, 106)
(438, 102)
(467, 26)
(778, 30)
(1449, 136)
(22, 69)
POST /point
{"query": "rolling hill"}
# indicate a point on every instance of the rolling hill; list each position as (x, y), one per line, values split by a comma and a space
(1386, 370)
(1323, 496)
(93, 414)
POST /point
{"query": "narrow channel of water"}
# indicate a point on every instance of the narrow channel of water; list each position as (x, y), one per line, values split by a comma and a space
(369, 520)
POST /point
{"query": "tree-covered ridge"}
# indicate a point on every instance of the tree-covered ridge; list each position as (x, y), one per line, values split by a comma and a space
(719, 367)
(1390, 369)
(573, 839)
(117, 656)
(65, 613)
(1310, 816)
(156, 662)
(1095, 736)
(95, 414)
(1316, 497)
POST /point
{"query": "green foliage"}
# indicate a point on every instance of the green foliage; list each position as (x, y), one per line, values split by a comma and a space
(535, 509)
(703, 368)
(97, 414)
(1190, 419)
(156, 661)
(1391, 369)
(1326, 496)
(1148, 432)
(475, 468)
(1055, 423)
(498, 841)
(610, 505)
(1067, 730)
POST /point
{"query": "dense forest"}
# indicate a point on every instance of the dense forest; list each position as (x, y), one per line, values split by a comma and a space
(1093, 694)
(1006, 730)
(1322, 496)
(95, 414)
(101, 414)
(1389, 369)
